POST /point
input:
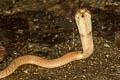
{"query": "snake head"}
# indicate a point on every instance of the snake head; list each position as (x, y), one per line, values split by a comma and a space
(83, 20)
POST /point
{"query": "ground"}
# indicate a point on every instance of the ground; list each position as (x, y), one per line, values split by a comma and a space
(48, 29)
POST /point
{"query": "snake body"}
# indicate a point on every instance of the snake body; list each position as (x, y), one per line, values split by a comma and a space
(82, 16)
(29, 59)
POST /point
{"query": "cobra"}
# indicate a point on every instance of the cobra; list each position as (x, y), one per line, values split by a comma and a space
(83, 21)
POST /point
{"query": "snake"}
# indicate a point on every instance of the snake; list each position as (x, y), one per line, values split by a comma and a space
(83, 21)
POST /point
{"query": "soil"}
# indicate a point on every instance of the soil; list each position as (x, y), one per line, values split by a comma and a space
(48, 29)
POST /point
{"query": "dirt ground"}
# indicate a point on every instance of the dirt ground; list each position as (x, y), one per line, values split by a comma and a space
(48, 29)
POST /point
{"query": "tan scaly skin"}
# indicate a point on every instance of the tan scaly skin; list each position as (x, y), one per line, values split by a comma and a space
(83, 20)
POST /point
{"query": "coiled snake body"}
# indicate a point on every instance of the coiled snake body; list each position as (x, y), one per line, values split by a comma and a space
(83, 20)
